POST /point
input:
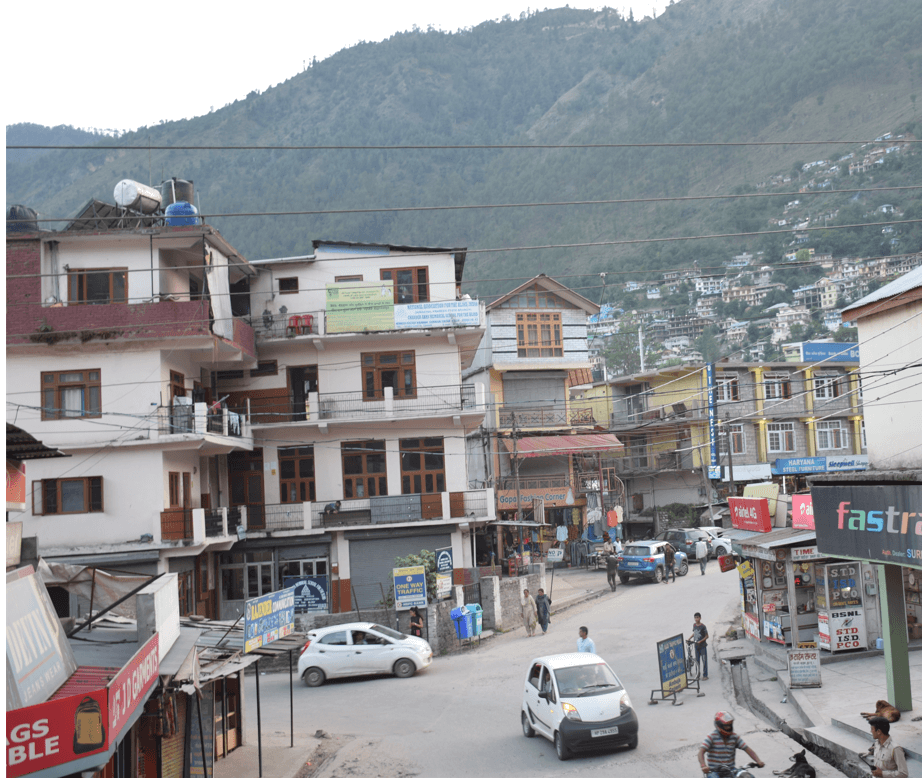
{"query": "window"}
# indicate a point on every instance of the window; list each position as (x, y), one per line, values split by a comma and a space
(736, 436)
(288, 285)
(299, 568)
(781, 437)
(411, 284)
(73, 394)
(296, 474)
(827, 387)
(175, 491)
(97, 287)
(394, 369)
(228, 375)
(348, 279)
(422, 465)
(67, 495)
(831, 434)
(777, 386)
(270, 367)
(728, 389)
(538, 334)
(364, 469)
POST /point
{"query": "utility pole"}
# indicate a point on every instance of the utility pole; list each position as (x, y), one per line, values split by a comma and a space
(518, 492)
(730, 458)
(640, 339)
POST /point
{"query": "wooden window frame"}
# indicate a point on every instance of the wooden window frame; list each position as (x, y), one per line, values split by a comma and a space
(51, 382)
(305, 486)
(781, 380)
(416, 480)
(529, 329)
(405, 367)
(349, 279)
(51, 488)
(827, 386)
(371, 480)
(286, 284)
(419, 286)
(835, 431)
(727, 382)
(735, 434)
(174, 490)
(783, 428)
(267, 367)
(77, 285)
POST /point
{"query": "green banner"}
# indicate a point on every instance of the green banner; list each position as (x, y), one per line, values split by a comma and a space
(360, 306)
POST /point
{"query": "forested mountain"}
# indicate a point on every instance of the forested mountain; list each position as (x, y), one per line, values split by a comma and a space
(702, 72)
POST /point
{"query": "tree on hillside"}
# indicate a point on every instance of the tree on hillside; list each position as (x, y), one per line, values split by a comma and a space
(708, 344)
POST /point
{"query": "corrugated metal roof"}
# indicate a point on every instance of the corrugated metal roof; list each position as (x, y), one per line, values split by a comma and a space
(20, 445)
(787, 536)
(911, 280)
(562, 445)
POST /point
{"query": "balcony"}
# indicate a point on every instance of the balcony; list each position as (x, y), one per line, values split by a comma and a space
(535, 418)
(293, 325)
(197, 525)
(202, 420)
(646, 460)
(406, 508)
(625, 416)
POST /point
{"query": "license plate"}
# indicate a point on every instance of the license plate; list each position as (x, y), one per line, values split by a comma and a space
(604, 732)
(633, 564)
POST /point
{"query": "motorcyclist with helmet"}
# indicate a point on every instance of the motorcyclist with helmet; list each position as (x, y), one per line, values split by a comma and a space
(720, 746)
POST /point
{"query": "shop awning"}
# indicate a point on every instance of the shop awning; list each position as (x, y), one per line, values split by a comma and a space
(764, 544)
(563, 445)
(529, 524)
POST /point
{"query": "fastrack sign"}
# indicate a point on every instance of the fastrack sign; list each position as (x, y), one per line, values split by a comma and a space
(750, 513)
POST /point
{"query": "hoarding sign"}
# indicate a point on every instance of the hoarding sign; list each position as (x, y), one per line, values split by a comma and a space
(444, 561)
(360, 306)
(803, 511)
(268, 618)
(451, 313)
(410, 587)
(834, 352)
(768, 490)
(671, 656)
(750, 513)
(129, 688)
(877, 523)
(311, 593)
(804, 668)
(799, 465)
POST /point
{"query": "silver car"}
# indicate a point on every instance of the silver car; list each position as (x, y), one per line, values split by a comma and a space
(360, 648)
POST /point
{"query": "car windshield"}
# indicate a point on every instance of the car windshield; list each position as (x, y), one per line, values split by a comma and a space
(392, 634)
(636, 551)
(585, 680)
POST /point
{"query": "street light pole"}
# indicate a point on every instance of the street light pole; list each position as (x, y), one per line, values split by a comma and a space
(518, 493)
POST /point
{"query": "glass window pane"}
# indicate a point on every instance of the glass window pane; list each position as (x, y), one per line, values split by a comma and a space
(306, 468)
(119, 286)
(97, 287)
(287, 468)
(71, 378)
(72, 401)
(252, 581)
(93, 405)
(72, 500)
(435, 461)
(352, 464)
(387, 359)
(376, 463)
(411, 461)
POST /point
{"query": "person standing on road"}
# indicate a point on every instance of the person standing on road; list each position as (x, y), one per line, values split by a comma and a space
(700, 633)
(611, 565)
(529, 613)
(416, 622)
(701, 554)
(669, 553)
(720, 747)
(584, 643)
(543, 602)
(889, 758)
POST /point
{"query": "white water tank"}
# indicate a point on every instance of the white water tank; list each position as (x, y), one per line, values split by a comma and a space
(137, 197)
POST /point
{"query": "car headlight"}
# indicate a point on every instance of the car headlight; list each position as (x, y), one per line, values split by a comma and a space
(625, 703)
(571, 712)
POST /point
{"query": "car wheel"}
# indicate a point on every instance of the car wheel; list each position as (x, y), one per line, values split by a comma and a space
(658, 574)
(563, 753)
(527, 728)
(624, 577)
(313, 677)
(683, 569)
(404, 668)
(632, 743)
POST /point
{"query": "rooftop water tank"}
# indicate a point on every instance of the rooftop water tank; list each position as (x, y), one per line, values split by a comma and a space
(137, 197)
(20, 218)
(181, 214)
(176, 190)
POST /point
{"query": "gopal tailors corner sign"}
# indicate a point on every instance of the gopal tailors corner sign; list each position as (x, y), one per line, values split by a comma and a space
(877, 523)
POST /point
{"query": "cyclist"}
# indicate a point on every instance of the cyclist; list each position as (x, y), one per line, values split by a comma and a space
(720, 747)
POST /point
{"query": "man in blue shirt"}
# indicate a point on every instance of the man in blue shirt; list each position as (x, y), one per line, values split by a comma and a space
(584, 643)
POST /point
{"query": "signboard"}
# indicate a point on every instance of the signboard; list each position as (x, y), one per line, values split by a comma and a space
(13, 543)
(803, 511)
(834, 352)
(555, 555)
(671, 656)
(800, 465)
(822, 620)
(714, 472)
(804, 668)
(15, 485)
(878, 523)
(751, 625)
(268, 618)
(552, 498)
(360, 306)
(442, 586)
(804, 553)
(194, 763)
(758, 472)
(451, 313)
(847, 629)
(842, 464)
(750, 513)
(726, 562)
(409, 587)
(444, 561)
(128, 690)
(712, 413)
(312, 594)
(745, 569)
(768, 490)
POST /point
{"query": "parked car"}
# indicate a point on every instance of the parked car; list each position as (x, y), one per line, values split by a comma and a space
(720, 546)
(685, 539)
(577, 702)
(360, 648)
(645, 559)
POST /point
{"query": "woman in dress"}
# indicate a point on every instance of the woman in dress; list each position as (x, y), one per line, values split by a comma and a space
(529, 613)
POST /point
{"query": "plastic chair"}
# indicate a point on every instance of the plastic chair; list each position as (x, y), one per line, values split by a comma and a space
(294, 326)
(307, 323)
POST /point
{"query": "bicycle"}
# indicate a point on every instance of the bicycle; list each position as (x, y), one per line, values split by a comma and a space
(692, 668)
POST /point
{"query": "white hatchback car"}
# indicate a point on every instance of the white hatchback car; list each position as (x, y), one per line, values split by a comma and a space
(577, 702)
(720, 546)
(360, 648)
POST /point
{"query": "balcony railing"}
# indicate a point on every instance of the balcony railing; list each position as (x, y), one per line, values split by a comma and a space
(527, 418)
(176, 524)
(405, 508)
(198, 419)
(215, 522)
(291, 325)
(529, 484)
(280, 516)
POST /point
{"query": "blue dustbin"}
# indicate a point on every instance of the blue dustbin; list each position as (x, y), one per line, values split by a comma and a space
(476, 618)
(462, 619)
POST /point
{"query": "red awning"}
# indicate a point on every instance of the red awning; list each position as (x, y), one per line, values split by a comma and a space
(563, 445)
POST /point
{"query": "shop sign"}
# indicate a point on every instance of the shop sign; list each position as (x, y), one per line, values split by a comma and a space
(15, 485)
(846, 629)
(751, 625)
(802, 506)
(877, 523)
(745, 569)
(129, 688)
(841, 464)
(799, 465)
(805, 553)
(804, 668)
(553, 499)
(750, 513)
(410, 587)
(822, 620)
(268, 618)
(671, 656)
(816, 351)
(769, 491)
(726, 562)
(360, 306)
(13, 543)
(444, 562)
(450, 313)
(312, 593)
(741, 473)
(443, 586)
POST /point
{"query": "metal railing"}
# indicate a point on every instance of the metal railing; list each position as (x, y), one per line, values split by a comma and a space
(403, 508)
(288, 515)
(289, 325)
(184, 420)
(214, 522)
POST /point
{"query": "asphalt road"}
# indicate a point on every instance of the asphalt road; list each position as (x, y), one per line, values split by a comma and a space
(461, 716)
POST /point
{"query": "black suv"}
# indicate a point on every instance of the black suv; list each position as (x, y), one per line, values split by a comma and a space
(685, 539)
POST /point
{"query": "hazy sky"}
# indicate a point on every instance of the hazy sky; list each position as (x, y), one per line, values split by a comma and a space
(126, 65)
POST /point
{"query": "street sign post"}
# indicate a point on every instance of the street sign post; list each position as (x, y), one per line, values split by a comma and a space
(268, 618)
(409, 587)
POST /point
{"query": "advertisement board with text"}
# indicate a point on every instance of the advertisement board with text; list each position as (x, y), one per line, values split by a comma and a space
(268, 618)
(750, 513)
(360, 306)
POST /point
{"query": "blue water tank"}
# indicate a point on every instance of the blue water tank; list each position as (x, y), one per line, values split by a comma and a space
(181, 214)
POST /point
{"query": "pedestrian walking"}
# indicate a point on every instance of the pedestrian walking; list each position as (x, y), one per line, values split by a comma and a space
(701, 554)
(543, 603)
(529, 613)
(889, 758)
(584, 643)
(700, 634)
(669, 553)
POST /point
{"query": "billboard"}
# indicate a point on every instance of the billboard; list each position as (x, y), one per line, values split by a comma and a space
(803, 511)
(875, 522)
(450, 313)
(268, 618)
(799, 465)
(834, 352)
(312, 593)
(410, 587)
(360, 306)
(750, 513)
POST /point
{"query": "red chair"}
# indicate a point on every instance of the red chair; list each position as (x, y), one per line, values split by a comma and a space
(294, 326)
(307, 323)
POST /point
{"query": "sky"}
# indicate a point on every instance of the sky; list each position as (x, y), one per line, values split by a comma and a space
(126, 65)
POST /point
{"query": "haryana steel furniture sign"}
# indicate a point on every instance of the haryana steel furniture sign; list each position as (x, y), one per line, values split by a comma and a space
(268, 618)
(876, 523)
